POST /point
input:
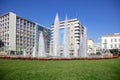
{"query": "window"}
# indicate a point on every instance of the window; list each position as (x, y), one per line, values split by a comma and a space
(105, 46)
(111, 40)
(24, 23)
(105, 40)
(115, 40)
(111, 46)
(115, 46)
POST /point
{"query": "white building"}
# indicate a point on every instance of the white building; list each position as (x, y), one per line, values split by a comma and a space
(93, 47)
(68, 38)
(110, 41)
(19, 34)
(97, 47)
(90, 46)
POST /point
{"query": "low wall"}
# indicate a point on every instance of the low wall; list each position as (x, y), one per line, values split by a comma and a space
(37, 58)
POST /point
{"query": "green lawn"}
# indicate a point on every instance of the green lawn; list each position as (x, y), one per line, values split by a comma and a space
(60, 70)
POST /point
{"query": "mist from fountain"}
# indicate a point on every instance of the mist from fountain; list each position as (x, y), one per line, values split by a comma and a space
(34, 51)
(76, 50)
(56, 36)
(83, 44)
(106, 52)
(24, 52)
(41, 46)
(66, 39)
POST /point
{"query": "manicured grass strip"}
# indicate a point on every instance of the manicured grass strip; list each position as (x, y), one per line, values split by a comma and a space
(60, 70)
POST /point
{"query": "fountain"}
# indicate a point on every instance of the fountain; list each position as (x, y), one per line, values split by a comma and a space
(24, 52)
(41, 47)
(56, 36)
(76, 50)
(83, 44)
(106, 52)
(34, 50)
(66, 39)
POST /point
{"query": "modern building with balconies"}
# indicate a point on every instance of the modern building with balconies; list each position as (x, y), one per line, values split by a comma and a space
(68, 38)
(20, 34)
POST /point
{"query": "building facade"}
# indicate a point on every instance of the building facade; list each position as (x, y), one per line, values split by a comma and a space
(93, 48)
(68, 38)
(46, 35)
(19, 34)
(110, 41)
(90, 46)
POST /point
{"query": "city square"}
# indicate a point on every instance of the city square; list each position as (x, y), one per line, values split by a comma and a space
(59, 40)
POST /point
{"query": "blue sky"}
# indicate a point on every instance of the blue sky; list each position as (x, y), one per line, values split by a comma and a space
(99, 16)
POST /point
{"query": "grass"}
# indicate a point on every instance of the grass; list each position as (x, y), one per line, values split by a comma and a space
(60, 70)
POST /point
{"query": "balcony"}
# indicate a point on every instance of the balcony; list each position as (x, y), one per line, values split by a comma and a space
(77, 24)
(77, 37)
(77, 34)
(105, 43)
(77, 30)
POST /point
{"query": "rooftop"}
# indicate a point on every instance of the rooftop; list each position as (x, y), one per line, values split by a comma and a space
(112, 35)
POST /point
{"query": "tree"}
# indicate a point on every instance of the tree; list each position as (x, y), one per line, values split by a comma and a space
(1, 43)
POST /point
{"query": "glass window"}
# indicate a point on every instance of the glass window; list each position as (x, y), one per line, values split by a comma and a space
(111, 40)
(119, 45)
(115, 46)
(115, 40)
(105, 40)
(111, 46)
(105, 46)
